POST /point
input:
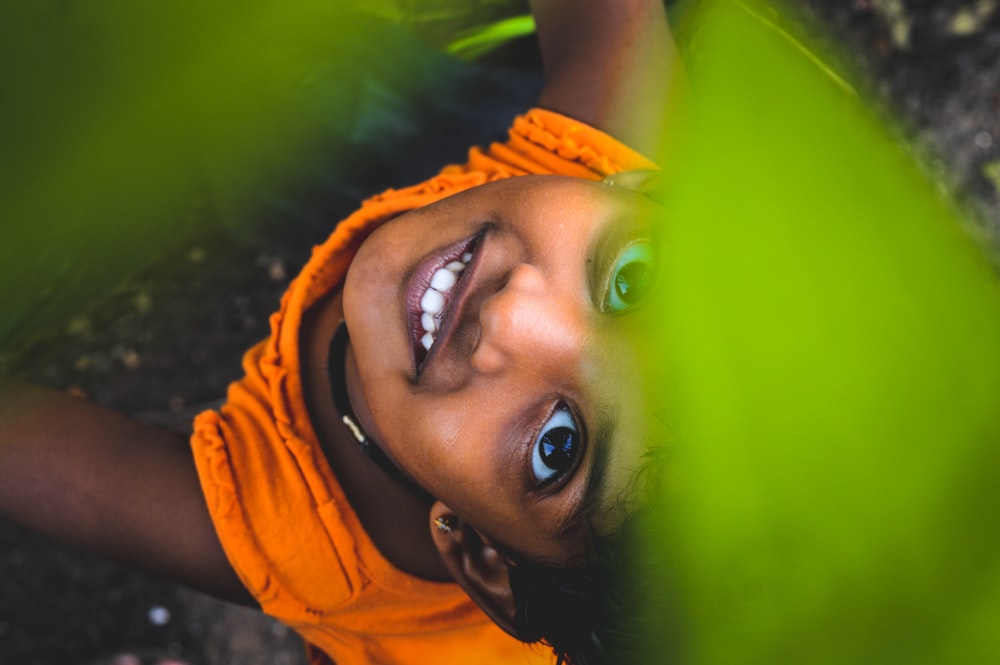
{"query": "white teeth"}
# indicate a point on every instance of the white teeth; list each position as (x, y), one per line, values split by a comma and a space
(432, 301)
(443, 280)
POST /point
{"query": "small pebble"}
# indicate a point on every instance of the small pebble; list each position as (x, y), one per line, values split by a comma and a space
(79, 326)
(969, 20)
(131, 359)
(143, 303)
(276, 270)
(158, 615)
(126, 659)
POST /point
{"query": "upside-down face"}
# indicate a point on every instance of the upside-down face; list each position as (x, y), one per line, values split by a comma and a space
(495, 336)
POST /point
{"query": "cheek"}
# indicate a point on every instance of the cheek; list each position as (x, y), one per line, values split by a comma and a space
(366, 279)
(450, 443)
(454, 435)
(376, 269)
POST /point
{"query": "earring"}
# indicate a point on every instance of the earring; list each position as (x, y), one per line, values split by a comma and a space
(445, 523)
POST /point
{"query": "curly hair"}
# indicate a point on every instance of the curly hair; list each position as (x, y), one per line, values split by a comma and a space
(586, 611)
(562, 607)
(594, 610)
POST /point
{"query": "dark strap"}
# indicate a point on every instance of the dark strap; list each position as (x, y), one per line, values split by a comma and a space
(341, 402)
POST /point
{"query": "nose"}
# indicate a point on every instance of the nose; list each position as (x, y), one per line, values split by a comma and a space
(530, 324)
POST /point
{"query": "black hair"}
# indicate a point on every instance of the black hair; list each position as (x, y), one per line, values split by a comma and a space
(563, 607)
(584, 610)
(594, 610)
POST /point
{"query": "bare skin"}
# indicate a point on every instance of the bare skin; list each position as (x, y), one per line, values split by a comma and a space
(96, 479)
(392, 516)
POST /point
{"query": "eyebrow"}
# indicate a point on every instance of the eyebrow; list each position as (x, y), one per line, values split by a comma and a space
(593, 489)
(631, 223)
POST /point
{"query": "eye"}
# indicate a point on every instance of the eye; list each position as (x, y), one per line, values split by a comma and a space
(630, 277)
(557, 446)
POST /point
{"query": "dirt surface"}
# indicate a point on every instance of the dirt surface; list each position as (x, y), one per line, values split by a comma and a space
(169, 340)
(933, 67)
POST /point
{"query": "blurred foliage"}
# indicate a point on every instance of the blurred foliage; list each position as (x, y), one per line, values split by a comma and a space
(832, 381)
(118, 114)
(481, 41)
(441, 21)
(126, 126)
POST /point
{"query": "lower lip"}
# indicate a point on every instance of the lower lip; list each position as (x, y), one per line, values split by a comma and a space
(419, 283)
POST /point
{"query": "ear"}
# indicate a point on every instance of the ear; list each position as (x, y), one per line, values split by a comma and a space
(475, 565)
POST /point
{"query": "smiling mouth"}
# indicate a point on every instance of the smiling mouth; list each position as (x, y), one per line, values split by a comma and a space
(432, 297)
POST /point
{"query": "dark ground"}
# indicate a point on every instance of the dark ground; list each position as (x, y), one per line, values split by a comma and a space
(170, 339)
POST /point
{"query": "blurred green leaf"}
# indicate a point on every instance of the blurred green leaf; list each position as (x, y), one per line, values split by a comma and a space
(127, 125)
(116, 116)
(483, 40)
(991, 171)
(833, 381)
(439, 21)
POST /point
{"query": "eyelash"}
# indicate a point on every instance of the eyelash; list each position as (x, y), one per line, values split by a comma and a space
(556, 449)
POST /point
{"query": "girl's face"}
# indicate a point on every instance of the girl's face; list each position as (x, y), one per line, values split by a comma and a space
(520, 407)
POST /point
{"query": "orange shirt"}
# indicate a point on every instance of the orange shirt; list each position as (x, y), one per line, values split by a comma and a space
(280, 513)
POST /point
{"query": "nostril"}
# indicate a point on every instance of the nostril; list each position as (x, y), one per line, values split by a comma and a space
(509, 318)
(489, 355)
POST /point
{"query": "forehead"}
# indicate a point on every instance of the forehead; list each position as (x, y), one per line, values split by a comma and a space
(531, 192)
(623, 373)
(623, 427)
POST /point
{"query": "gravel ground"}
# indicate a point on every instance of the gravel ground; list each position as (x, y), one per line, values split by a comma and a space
(150, 349)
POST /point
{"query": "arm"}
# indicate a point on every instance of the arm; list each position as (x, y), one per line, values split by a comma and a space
(609, 63)
(95, 479)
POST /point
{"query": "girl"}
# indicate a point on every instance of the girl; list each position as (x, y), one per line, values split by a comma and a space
(427, 454)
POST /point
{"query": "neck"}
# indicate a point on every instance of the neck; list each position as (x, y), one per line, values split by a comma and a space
(393, 512)
(340, 366)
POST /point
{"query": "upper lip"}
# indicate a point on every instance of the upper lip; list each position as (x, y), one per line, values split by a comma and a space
(457, 297)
